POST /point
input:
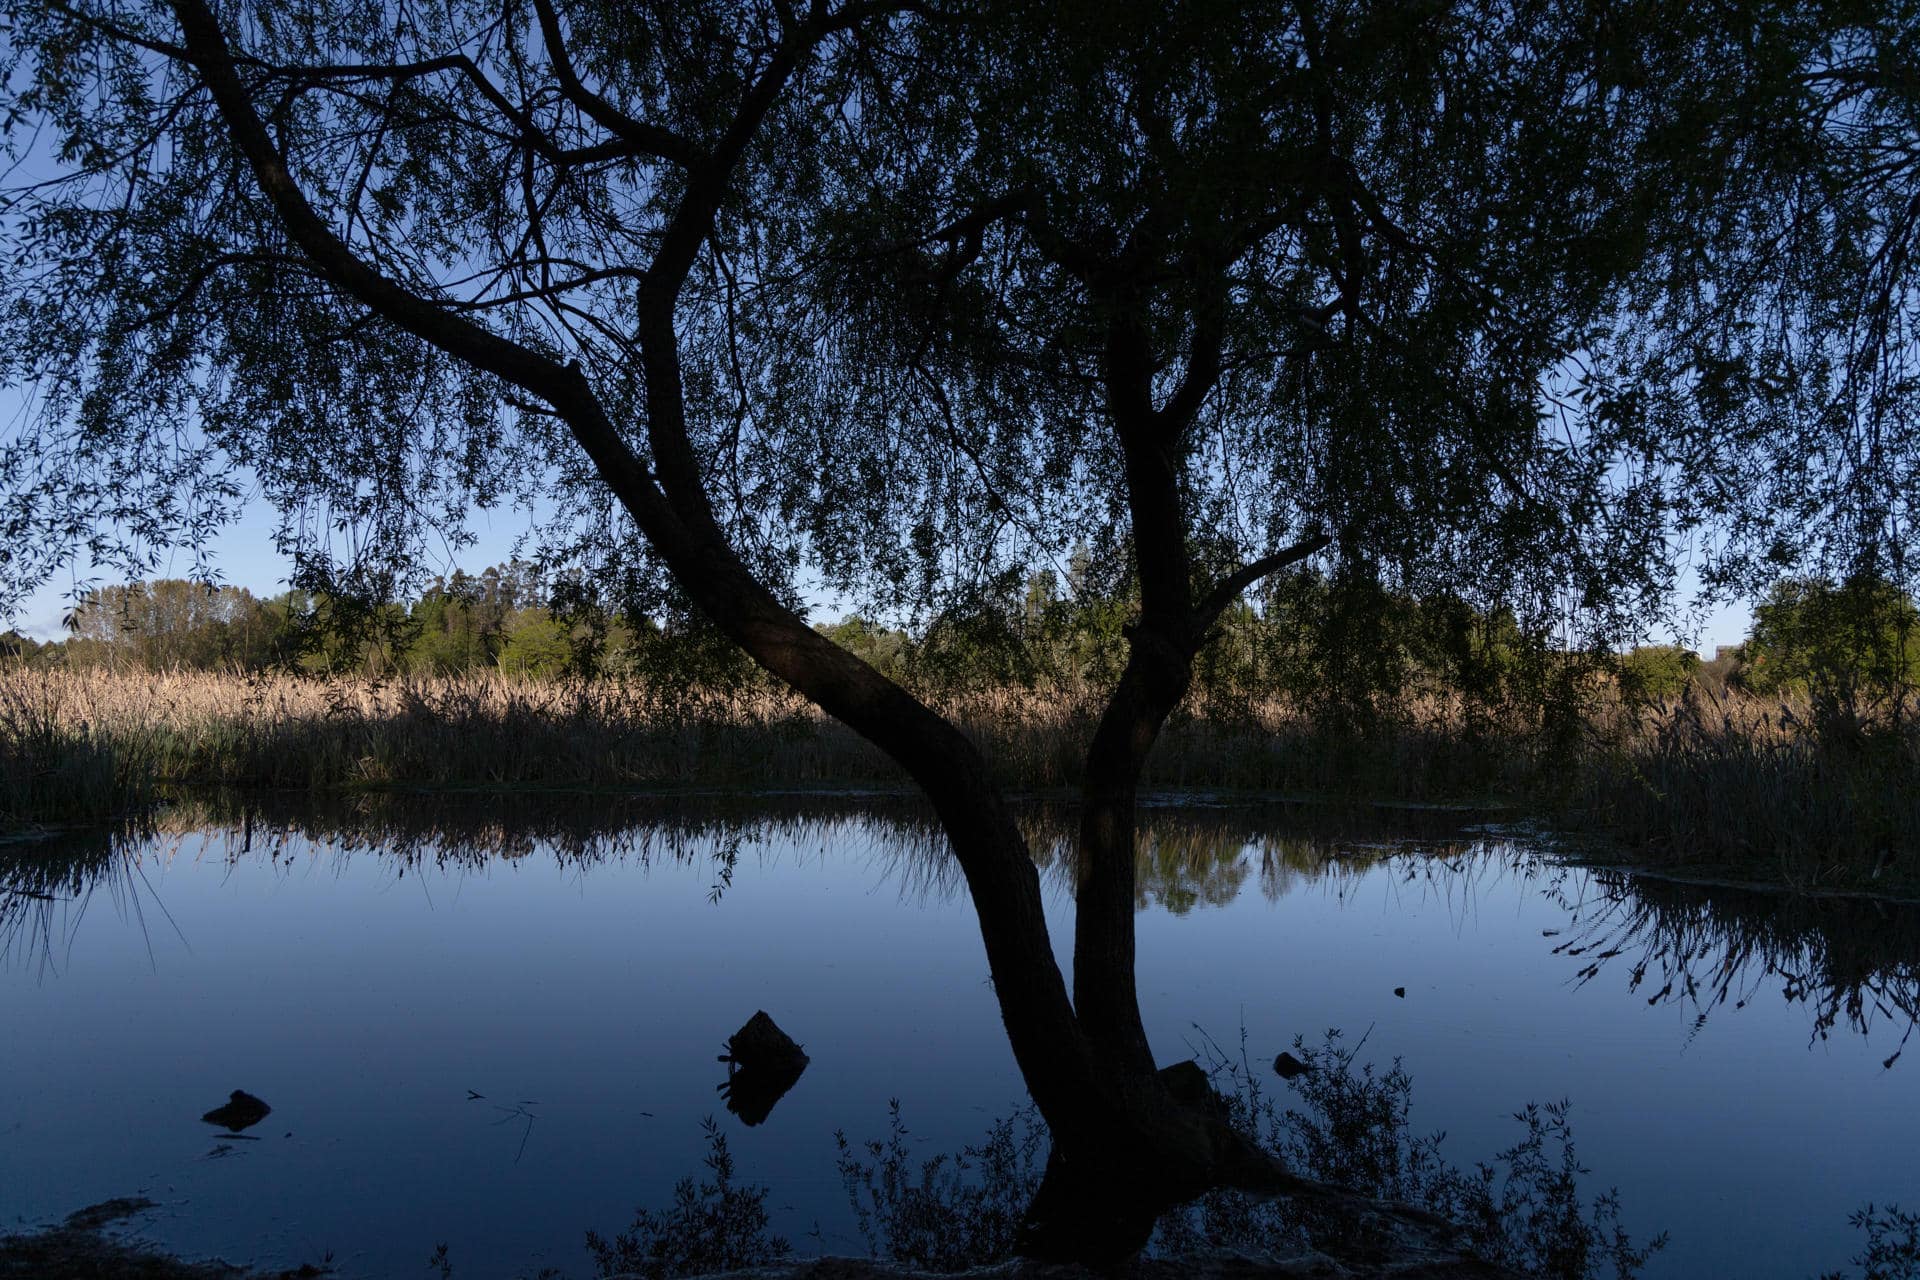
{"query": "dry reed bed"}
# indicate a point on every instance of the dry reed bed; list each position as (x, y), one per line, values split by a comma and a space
(195, 728)
(1726, 781)
(1711, 780)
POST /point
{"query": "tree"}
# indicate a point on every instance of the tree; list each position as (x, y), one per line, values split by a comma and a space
(923, 297)
(173, 622)
(1657, 670)
(1853, 646)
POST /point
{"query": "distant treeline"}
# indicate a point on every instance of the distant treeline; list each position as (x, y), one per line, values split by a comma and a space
(1347, 644)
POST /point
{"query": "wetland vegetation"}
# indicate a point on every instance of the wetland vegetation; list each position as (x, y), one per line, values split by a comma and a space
(1793, 759)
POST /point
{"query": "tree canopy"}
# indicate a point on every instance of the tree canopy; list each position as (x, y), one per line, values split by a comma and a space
(1507, 297)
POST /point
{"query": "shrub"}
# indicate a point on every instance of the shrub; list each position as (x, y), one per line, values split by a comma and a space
(711, 1226)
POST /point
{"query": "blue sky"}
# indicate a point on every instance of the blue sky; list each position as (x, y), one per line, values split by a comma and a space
(243, 555)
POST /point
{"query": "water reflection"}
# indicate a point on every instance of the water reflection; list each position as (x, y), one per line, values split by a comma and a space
(400, 977)
(47, 888)
(1853, 962)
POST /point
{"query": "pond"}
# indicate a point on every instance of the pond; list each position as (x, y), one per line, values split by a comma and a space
(496, 1027)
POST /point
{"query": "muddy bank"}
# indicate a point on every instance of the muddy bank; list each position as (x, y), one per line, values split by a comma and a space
(81, 1249)
(1225, 1266)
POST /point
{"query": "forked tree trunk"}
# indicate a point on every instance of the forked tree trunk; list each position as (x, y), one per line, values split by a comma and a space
(1121, 1139)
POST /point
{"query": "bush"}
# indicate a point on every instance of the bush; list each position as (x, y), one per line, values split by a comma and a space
(712, 1226)
(942, 1219)
(1893, 1245)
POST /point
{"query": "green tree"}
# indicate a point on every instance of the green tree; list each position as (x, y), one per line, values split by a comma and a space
(1854, 646)
(1451, 297)
(884, 649)
(18, 649)
(1657, 670)
(171, 623)
(536, 645)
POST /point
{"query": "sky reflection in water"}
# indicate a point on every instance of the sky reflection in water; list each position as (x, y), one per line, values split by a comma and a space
(365, 974)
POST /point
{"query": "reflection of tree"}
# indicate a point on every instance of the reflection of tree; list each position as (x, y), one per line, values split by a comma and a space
(1855, 962)
(575, 829)
(46, 888)
(1851, 960)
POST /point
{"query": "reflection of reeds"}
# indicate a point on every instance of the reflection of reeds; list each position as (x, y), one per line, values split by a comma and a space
(46, 889)
(1851, 961)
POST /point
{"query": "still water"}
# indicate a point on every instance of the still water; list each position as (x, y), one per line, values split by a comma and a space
(497, 1029)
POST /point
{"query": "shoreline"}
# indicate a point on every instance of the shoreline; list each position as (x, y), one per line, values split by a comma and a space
(1587, 850)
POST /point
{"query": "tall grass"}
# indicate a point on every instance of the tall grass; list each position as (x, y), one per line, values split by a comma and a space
(1719, 781)
(59, 761)
(1714, 781)
(200, 729)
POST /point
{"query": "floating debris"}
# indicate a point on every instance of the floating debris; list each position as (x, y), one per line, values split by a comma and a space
(242, 1111)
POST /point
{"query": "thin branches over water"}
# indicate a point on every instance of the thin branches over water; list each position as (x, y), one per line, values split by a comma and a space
(1854, 962)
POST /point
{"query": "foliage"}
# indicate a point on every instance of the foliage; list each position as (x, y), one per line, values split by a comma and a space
(536, 646)
(1854, 647)
(1658, 672)
(958, 1211)
(710, 1226)
(1524, 1209)
(1893, 1245)
(1360, 240)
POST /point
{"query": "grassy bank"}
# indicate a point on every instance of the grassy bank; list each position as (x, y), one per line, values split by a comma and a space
(1719, 783)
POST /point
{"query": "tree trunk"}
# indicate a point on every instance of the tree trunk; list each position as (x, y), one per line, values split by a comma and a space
(1120, 1137)
(1104, 989)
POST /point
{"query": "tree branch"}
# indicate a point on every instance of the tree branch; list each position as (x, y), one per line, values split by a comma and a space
(648, 138)
(1228, 589)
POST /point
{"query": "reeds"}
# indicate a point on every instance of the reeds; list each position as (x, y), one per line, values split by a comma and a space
(200, 729)
(1712, 780)
(1722, 783)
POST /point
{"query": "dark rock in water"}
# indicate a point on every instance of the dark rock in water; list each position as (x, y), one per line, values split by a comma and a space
(761, 1043)
(1288, 1067)
(242, 1111)
(763, 1063)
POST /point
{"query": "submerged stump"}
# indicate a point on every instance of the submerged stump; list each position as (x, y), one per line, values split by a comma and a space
(763, 1063)
(242, 1111)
